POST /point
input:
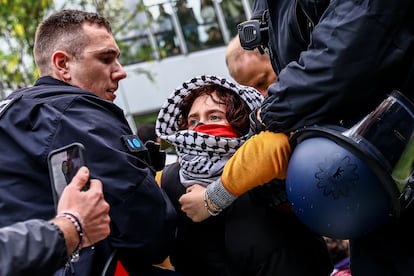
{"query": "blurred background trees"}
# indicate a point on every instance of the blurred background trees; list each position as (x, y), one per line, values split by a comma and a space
(18, 21)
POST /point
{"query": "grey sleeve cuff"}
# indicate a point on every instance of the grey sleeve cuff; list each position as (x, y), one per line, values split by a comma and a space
(218, 195)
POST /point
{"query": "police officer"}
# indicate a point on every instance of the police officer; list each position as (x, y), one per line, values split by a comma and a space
(328, 73)
(42, 246)
(72, 101)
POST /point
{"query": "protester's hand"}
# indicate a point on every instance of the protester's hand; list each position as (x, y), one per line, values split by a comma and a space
(89, 205)
(192, 203)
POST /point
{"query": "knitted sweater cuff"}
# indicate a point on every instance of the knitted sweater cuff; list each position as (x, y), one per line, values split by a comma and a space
(218, 195)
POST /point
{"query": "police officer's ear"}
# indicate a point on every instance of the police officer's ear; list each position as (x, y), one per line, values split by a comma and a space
(60, 65)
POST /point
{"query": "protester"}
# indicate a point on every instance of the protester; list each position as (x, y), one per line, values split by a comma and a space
(214, 37)
(330, 74)
(234, 13)
(249, 68)
(206, 119)
(208, 14)
(40, 247)
(339, 252)
(164, 32)
(72, 101)
(189, 24)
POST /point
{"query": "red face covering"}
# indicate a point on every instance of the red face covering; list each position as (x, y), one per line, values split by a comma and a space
(217, 130)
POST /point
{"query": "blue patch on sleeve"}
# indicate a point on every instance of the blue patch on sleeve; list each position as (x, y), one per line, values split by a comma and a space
(133, 143)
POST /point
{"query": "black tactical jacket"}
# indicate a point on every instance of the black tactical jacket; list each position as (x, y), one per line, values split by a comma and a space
(336, 60)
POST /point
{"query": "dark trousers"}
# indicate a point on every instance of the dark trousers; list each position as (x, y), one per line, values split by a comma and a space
(388, 251)
(248, 238)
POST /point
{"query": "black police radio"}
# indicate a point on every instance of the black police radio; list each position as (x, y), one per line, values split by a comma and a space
(254, 33)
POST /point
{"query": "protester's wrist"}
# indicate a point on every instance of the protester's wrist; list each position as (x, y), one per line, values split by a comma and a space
(211, 208)
(218, 197)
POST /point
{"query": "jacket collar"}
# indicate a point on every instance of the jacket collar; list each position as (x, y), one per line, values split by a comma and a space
(48, 80)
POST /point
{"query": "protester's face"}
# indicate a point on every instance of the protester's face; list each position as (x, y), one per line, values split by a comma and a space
(205, 110)
(98, 69)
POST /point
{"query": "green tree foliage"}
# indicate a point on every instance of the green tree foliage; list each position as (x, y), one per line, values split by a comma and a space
(18, 21)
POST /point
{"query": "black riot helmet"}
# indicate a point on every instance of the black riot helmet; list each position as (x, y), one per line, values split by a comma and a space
(345, 183)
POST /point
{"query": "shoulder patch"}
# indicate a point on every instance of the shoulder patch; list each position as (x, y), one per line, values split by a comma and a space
(133, 143)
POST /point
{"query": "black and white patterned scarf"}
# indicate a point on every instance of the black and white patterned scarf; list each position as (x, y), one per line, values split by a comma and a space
(201, 156)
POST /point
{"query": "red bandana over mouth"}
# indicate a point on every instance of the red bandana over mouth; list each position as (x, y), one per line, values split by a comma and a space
(217, 130)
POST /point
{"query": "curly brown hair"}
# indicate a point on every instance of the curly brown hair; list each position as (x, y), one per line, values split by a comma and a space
(237, 111)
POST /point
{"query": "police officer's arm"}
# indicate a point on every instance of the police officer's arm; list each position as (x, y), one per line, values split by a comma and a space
(34, 245)
(40, 247)
(340, 68)
(130, 187)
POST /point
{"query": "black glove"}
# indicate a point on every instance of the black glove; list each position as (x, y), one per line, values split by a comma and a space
(255, 125)
(155, 155)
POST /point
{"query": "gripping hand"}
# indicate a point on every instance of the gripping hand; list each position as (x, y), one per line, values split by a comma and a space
(256, 125)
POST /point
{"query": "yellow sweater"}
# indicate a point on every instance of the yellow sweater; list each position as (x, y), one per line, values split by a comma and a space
(260, 159)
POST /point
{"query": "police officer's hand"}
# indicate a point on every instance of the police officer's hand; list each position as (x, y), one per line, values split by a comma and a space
(89, 206)
(256, 124)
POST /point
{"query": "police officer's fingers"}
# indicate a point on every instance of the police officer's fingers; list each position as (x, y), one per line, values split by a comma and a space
(96, 185)
(95, 194)
(96, 220)
(80, 178)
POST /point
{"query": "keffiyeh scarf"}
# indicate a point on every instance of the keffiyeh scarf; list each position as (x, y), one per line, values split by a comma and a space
(202, 156)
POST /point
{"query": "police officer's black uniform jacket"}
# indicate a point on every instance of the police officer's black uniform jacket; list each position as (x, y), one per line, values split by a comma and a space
(336, 61)
(52, 114)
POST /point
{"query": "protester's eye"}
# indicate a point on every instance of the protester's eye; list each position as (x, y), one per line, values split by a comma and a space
(193, 122)
(215, 117)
